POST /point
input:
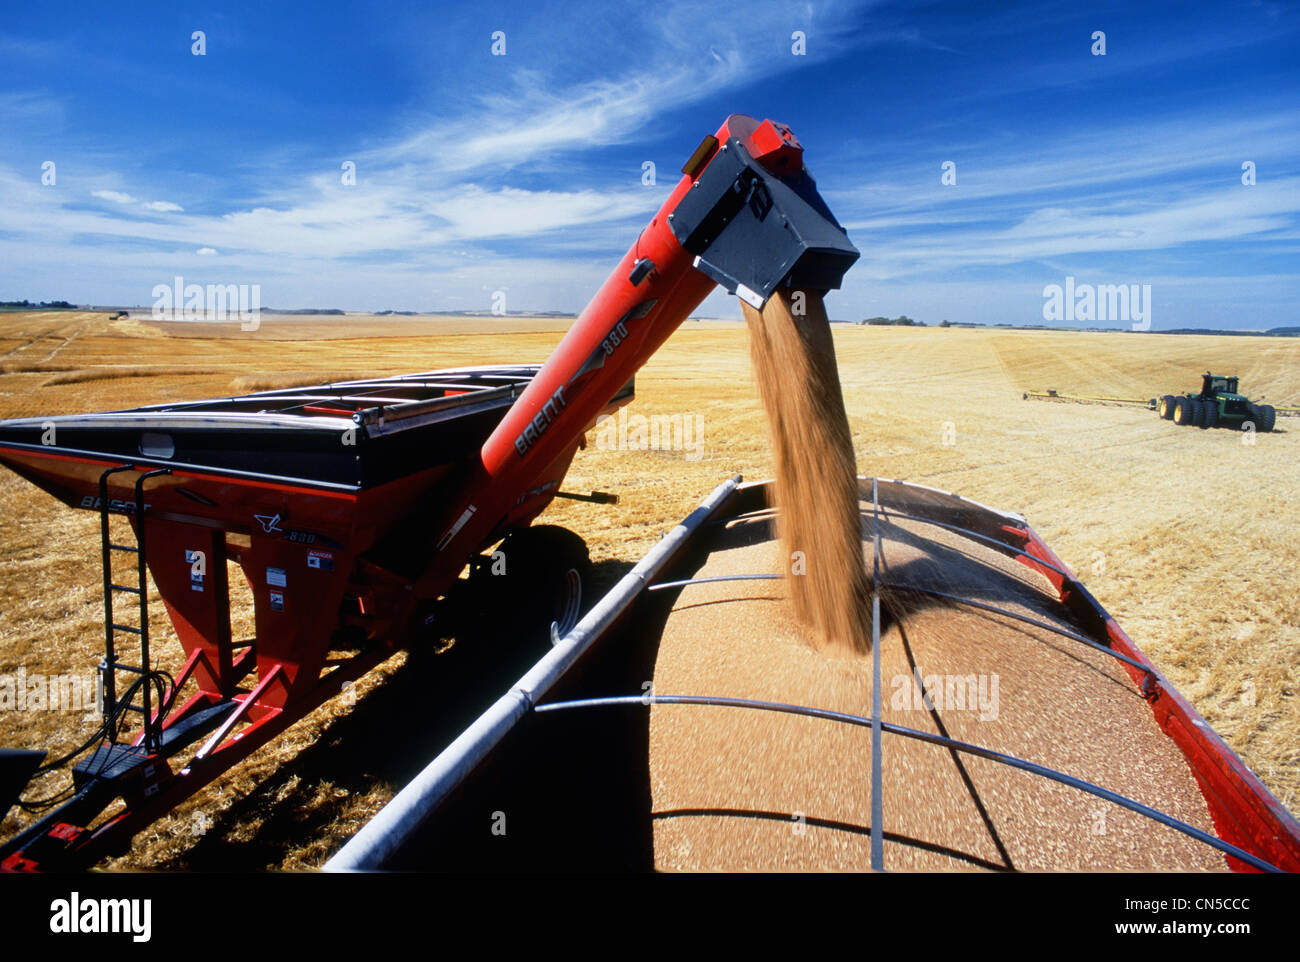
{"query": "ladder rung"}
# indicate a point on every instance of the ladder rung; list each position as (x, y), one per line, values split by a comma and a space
(131, 668)
(123, 547)
(134, 591)
(134, 631)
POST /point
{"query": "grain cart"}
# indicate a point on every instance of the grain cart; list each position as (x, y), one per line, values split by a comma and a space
(352, 509)
(1217, 404)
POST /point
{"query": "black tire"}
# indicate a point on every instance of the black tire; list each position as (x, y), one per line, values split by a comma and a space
(1167, 407)
(537, 577)
(1267, 417)
(1183, 411)
(1211, 414)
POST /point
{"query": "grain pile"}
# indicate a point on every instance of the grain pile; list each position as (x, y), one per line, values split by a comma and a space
(739, 790)
(794, 362)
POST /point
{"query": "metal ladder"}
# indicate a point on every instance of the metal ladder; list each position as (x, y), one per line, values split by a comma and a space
(110, 666)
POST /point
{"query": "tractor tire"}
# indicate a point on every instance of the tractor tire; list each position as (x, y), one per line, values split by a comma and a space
(1211, 414)
(537, 577)
(1183, 411)
(1198, 413)
(1267, 417)
(1167, 407)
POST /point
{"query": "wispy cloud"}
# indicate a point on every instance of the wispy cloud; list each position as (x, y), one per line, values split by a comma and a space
(684, 54)
(1167, 184)
(116, 196)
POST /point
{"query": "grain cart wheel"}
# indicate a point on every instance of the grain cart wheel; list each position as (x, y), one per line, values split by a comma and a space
(1167, 407)
(1267, 417)
(1183, 411)
(541, 576)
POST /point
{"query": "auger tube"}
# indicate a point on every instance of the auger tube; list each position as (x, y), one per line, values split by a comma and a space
(746, 215)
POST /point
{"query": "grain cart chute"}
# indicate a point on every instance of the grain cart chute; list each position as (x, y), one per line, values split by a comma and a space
(352, 509)
(1217, 404)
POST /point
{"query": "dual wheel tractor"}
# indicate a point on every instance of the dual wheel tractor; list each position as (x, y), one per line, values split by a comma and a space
(1217, 405)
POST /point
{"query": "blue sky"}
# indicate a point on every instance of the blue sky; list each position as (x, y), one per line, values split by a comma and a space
(523, 172)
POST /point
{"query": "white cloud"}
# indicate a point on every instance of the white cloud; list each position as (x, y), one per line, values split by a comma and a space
(323, 220)
(476, 213)
(1162, 186)
(163, 205)
(1230, 214)
(206, 252)
(684, 53)
(114, 195)
(528, 122)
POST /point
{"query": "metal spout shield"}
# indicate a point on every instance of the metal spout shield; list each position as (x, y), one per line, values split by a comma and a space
(752, 231)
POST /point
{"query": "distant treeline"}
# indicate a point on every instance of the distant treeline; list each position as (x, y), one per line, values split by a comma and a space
(62, 305)
(905, 321)
(1271, 332)
(303, 310)
(901, 321)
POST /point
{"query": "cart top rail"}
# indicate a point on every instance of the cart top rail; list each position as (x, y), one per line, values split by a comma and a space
(354, 434)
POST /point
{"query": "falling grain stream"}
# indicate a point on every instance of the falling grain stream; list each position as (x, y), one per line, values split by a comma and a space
(816, 472)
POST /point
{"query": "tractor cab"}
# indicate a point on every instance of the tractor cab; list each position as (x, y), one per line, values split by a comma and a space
(1213, 385)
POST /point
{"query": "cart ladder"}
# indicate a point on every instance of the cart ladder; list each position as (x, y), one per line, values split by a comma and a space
(110, 666)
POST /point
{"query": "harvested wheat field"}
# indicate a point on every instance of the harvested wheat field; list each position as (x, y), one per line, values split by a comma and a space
(1187, 537)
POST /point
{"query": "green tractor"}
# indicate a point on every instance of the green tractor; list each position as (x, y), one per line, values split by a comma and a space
(1217, 405)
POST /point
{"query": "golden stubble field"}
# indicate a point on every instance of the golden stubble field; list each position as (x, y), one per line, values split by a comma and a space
(1188, 537)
